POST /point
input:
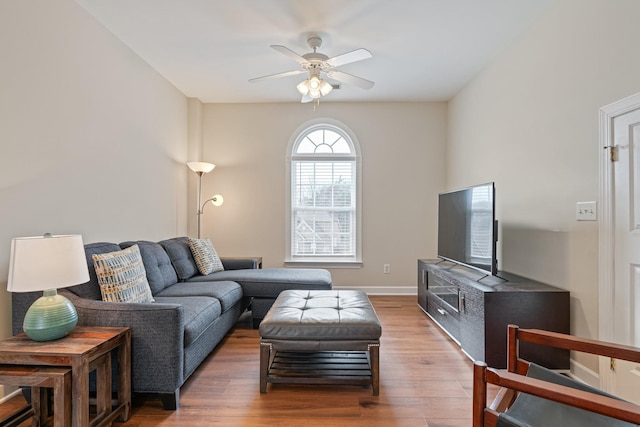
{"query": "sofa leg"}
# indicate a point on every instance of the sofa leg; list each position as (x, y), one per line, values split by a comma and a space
(170, 400)
(256, 322)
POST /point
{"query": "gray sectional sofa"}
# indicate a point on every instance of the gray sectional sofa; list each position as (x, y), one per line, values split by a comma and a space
(191, 314)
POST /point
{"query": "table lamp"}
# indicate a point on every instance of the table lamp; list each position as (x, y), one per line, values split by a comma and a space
(46, 263)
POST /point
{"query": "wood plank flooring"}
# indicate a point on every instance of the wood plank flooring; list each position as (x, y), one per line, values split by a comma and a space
(425, 380)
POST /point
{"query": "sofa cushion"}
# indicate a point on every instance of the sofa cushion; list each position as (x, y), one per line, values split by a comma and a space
(180, 255)
(199, 314)
(121, 276)
(91, 289)
(228, 293)
(269, 282)
(160, 272)
(205, 256)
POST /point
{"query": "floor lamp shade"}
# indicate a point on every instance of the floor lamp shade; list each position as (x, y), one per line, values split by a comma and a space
(201, 167)
(45, 264)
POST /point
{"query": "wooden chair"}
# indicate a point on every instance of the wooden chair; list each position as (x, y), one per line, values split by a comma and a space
(537, 398)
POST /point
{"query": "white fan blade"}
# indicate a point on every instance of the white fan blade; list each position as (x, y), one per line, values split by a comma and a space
(305, 99)
(291, 54)
(278, 75)
(341, 76)
(349, 57)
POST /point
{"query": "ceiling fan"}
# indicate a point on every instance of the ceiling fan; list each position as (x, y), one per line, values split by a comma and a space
(318, 65)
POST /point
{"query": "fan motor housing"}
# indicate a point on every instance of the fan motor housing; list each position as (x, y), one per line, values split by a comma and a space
(315, 57)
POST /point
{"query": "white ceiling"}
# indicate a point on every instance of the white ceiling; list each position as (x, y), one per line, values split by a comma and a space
(423, 50)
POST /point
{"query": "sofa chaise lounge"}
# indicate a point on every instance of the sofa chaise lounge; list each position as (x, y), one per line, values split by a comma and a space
(191, 313)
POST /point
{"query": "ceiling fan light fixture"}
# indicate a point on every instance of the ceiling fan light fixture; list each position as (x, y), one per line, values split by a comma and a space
(325, 88)
(314, 94)
(314, 83)
(314, 87)
(303, 87)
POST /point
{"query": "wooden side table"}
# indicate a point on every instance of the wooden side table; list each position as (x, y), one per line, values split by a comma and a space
(84, 349)
(40, 378)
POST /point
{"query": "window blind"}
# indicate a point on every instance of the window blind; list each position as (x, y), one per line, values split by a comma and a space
(323, 204)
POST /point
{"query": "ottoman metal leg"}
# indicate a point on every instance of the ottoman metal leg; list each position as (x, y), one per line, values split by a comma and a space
(265, 355)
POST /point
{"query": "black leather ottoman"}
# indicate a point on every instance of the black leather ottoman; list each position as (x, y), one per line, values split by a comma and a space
(320, 337)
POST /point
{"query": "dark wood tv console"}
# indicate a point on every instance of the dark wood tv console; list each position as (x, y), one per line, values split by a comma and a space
(475, 309)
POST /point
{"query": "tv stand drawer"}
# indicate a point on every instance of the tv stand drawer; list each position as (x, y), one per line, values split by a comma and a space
(444, 315)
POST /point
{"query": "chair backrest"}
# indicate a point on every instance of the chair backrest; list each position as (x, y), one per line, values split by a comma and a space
(544, 397)
(528, 409)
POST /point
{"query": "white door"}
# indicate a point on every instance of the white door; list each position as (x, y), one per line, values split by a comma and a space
(620, 243)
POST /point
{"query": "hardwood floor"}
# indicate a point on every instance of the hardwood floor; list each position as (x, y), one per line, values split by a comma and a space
(425, 381)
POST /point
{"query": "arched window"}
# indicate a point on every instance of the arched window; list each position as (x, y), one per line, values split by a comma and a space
(324, 200)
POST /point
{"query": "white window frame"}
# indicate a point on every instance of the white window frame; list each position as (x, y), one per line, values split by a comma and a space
(354, 261)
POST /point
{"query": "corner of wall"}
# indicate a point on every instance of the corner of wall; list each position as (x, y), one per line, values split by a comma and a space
(194, 152)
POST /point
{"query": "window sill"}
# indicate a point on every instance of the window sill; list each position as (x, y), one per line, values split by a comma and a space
(323, 263)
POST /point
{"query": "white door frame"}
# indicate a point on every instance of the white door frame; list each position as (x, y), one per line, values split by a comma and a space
(606, 226)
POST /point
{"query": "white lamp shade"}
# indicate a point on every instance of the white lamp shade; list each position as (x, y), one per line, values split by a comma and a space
(217, 200)
(203, 167)
(46, 262)
(303, 88)
(325, 88)
(314, 83)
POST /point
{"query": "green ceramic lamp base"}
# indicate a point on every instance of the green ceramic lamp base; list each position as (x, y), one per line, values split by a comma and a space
(50, 317)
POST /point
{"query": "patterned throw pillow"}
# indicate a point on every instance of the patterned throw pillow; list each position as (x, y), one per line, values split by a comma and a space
(122, 277)
(205, 255)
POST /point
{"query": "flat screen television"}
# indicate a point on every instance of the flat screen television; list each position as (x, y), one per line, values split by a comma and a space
(467, 232)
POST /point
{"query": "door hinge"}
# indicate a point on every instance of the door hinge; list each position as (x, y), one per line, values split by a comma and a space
(612, 364)
(613, 152)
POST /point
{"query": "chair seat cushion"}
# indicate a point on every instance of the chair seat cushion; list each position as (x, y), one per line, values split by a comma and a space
(199, 314)
(269, 282)
(228, 293)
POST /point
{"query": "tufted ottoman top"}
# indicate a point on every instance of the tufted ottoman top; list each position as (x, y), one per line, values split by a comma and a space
(334, 315)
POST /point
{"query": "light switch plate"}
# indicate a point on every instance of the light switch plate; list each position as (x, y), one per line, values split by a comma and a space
(586, 211)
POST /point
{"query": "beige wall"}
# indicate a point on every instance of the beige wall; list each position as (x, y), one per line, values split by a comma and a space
(402, 148)
(529, 122)
(86, 127)
(92, 140)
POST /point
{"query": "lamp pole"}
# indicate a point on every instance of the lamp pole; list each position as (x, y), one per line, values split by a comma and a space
(200, 208)
(216, 200)
(201, 168)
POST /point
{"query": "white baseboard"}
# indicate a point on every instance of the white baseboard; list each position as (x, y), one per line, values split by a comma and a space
(581, 373)
(382, 290)
(10, 395)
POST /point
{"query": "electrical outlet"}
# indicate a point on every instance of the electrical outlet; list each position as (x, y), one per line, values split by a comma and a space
(586, 211)
(387, 268)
